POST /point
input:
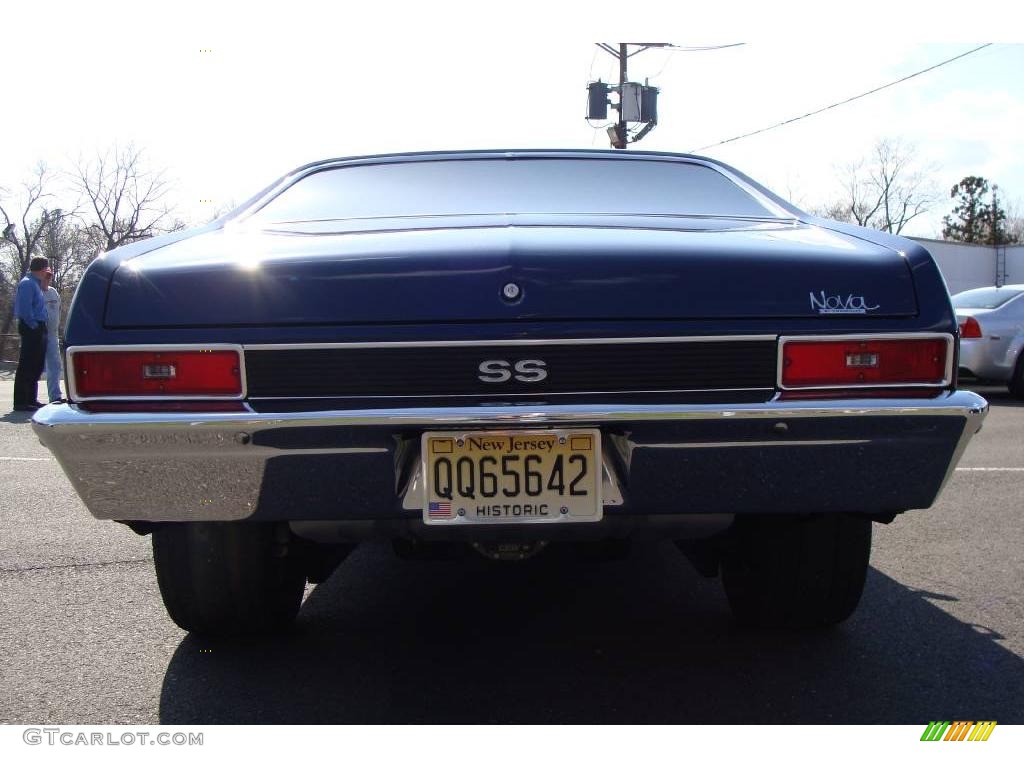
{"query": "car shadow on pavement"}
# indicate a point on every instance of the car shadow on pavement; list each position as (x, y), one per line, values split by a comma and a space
(996, 394)
(17, 417)
(554, 640)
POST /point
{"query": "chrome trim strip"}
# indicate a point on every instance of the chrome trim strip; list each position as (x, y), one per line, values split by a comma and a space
(946, 381)
(503, 395)
(780, 443)
(73, 389)
(509, 342)
(550, 221)
(65, 417)
(475, 155)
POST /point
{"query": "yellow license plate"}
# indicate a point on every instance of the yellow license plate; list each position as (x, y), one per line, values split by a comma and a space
(548, 476)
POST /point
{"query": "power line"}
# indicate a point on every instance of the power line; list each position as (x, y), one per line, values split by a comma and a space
(685, 48)
(664, 63)
(703, 47)
(592, 60)
(641, 47)
(844, 101)
(670, 49)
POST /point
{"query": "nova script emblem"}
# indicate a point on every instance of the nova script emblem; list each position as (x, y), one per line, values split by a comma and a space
(840, 305)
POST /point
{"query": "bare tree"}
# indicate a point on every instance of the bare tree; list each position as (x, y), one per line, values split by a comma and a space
(32, 216)
(26, 221)
(885, 191)
(835, 210)
(221, 210)
(126, 200)
(1014, 222)
(70, 247)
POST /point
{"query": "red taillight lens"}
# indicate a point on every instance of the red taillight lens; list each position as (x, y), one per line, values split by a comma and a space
(164, 406)
(165, 373)
(970, 329)
(864, 362)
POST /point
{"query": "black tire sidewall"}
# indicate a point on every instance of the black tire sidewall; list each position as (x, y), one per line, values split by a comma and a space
(796, 572)
(227, 578)
(1016, 382)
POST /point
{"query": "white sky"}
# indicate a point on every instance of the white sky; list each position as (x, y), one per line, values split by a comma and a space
(287, 83)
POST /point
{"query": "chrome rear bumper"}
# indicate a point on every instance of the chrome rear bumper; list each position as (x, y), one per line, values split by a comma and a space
(871, 456)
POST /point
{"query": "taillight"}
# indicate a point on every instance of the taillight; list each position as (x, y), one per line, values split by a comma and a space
(970, 329)
(157, 373)
(164, 406)
(864, 362)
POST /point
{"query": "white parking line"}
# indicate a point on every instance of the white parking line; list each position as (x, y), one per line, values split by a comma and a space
(23, 458)
(990, 469)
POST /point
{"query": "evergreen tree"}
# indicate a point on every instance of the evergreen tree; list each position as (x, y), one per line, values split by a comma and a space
(968, 223)
(973, 219)
(997, 234)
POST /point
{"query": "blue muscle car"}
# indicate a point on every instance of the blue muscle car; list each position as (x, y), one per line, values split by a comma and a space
(496, 350)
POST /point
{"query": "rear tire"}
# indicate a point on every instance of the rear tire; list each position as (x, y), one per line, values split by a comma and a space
(796, 572)
(1016, 382)
(228, 578)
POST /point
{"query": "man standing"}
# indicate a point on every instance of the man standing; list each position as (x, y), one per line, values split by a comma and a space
(52, 299)
(30, 311)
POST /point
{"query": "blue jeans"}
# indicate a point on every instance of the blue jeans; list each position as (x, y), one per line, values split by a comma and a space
(53, 367)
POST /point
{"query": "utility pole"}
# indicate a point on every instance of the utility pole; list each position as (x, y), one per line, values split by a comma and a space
(637, 103)
(619, 140)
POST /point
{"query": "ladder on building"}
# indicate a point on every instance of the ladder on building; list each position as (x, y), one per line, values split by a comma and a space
(1000, 265)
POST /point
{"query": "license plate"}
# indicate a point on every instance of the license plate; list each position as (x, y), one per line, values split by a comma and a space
(549, 476)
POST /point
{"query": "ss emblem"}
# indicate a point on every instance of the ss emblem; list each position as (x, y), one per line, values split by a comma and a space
(500, 371)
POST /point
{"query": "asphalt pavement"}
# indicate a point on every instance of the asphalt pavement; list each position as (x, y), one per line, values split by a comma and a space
(939, 634)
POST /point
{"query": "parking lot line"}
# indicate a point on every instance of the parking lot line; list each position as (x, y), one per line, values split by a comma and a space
(24, 458)
(990, 469)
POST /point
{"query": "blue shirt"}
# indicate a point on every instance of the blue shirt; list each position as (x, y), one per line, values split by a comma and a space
(29, 305)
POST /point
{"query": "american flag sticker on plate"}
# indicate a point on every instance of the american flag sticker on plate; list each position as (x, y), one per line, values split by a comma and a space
(439, 510)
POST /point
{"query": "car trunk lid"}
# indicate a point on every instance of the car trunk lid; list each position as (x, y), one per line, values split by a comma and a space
(430, 271)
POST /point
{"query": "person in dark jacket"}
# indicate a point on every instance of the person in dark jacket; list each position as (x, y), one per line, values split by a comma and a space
(30, 311)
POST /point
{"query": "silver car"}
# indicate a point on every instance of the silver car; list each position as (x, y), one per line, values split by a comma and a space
(992, 334)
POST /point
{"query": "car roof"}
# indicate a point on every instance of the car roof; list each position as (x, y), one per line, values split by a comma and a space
(511, 154)
(1014, 287)
(468, 154)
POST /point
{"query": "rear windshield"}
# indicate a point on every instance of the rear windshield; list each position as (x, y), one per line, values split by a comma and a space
(985, 298)
(535, 185)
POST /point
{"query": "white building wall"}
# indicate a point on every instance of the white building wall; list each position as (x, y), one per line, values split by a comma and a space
(963, 266)
(1014, 264)
(974, 266)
